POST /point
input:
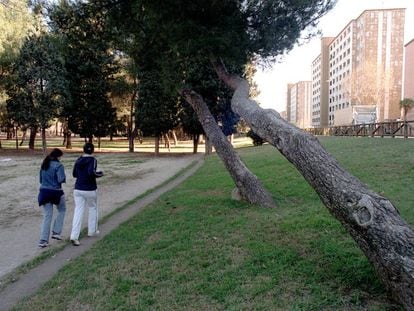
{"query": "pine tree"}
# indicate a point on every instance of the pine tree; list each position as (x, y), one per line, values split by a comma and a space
(39, 89)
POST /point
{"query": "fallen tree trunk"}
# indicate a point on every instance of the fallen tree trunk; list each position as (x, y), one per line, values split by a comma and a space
(249, 187)
(372, 220)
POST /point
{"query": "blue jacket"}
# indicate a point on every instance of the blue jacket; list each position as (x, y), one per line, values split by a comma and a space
(85, 173)
(53, 177)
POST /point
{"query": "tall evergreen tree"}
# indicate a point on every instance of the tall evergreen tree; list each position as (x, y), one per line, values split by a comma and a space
(38, 91)
(90, 65)
(157, 107)
(124, 93)
(17, 22)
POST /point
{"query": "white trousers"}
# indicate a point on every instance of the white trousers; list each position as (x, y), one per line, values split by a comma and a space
(84, 198)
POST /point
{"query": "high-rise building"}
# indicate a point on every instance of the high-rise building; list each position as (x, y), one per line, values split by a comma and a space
(409, 76)
(320, 87)
(365, 66)
(304, 100)
(288, 102)
(283, 114)
(298, 105)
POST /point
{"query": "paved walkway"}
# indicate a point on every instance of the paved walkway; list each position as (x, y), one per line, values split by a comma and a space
(30, 282)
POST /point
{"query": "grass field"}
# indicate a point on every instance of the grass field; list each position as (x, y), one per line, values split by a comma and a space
(196, 249)
(118, 144)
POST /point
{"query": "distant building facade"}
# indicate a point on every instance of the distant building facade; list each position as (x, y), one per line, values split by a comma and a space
(362, 66)
(283, 115)
(288, 102)
(409, 75)
(341, 62)
(298, 107)
(320, 86)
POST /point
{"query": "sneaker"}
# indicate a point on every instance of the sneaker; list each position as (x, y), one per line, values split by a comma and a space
(96, 233)
(57, 237)
(43, 244)
(75, 242)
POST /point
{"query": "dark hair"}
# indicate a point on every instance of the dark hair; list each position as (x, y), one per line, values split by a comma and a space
(53, 155)
(88, 148)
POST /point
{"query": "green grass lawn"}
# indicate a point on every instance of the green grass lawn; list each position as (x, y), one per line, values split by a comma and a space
(196, 249)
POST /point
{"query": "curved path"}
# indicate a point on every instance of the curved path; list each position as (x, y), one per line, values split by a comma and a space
(28, 283)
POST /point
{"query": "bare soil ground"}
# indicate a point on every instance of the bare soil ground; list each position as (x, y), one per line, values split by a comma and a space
(126, 177)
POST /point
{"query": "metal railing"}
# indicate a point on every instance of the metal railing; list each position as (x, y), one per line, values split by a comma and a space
(380, 129)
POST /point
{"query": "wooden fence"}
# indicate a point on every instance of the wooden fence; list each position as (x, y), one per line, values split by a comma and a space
(381, 129)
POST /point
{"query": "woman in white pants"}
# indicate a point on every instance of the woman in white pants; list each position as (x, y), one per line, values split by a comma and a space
(85, 193)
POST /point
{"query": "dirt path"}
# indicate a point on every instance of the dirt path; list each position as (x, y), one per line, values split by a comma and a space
(28, 283)
(126, 177)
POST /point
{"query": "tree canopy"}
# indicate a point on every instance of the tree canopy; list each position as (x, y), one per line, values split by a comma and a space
(16, 24)
(38, 91)
(90, 65)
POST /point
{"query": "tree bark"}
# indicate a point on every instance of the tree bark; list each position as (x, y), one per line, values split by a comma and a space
(32, 137)
(131, 124)
(167, 143)
(372, 220)
(250, 188)
(174, 135)
(405, 122)
(157, 145)
(23, 137)
(131, 140)
(44, 140)
(196, 139)
(208, 148)
(9, 132)
(68, 135)
(17, 139)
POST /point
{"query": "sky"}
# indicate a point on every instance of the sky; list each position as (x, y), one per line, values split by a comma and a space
(296, 65)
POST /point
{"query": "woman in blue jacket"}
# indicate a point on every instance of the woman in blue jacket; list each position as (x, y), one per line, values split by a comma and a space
(52, 175)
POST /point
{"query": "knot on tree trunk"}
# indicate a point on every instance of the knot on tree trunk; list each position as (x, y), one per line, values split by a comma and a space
(364, 211)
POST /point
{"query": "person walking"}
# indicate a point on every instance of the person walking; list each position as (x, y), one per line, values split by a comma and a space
(85, 193)
(51, 177)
